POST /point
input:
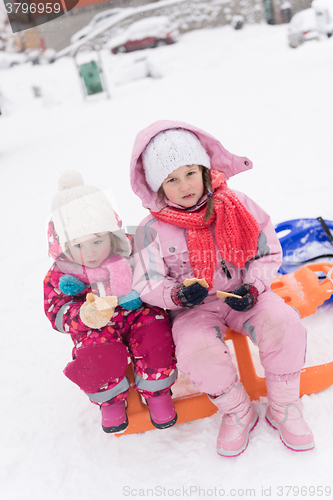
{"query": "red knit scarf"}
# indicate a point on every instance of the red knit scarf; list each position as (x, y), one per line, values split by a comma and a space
(236, 230)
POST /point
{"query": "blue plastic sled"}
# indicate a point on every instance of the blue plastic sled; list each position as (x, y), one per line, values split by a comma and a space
(305, 241)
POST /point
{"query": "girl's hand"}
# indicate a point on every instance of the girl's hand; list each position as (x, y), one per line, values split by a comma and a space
(70, 285)
(249, 294)
(188, 296)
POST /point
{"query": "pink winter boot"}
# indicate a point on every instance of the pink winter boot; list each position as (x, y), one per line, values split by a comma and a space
(162, 411)
(239, 418)
(285, 414)
(114, 418)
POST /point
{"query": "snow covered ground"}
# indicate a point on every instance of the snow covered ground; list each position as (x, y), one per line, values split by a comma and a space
(262, 100)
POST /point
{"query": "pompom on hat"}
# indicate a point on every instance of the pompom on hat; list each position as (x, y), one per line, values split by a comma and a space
(79, 210)
(169, 150)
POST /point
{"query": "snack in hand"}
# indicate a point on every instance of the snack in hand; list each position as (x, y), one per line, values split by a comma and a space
(224, 295)
(103, 303)
(190, 281)
(97, 311)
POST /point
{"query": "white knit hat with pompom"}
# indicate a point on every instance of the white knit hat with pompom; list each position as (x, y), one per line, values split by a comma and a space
(79, 210)
(169, 150)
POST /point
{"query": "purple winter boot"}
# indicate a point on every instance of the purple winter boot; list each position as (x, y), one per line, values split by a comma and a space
(239, 418)
(114, 418)
(162, 411)
(284, 413)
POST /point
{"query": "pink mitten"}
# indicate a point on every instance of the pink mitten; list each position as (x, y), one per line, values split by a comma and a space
(97, 364)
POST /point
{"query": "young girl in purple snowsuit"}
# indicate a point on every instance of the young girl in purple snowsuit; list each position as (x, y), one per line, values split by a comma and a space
(88, 294)
(200, 228)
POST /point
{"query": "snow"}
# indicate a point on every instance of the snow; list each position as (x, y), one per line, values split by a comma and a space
(262, 100)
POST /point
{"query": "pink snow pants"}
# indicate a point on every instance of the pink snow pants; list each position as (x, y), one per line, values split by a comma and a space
(271, 325)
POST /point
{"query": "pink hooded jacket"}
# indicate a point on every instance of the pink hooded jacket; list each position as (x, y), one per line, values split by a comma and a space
(161, 257)
(63, 310)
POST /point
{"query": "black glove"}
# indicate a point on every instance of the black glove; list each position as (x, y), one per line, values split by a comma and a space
(249, 295)
(188, 296)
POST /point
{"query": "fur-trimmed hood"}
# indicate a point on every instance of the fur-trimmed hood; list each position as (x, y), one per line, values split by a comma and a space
(220, 158)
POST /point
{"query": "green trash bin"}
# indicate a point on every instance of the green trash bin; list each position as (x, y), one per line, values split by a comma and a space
(91, 76)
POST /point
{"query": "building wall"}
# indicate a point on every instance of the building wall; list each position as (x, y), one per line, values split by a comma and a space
(27, 39)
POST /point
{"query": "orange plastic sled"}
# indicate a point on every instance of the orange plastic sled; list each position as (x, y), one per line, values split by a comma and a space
(301, 289)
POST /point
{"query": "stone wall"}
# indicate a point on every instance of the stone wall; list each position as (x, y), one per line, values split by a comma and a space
(188, 15)
(185, 15)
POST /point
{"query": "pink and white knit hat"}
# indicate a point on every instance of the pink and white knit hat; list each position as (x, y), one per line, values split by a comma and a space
(169, 150)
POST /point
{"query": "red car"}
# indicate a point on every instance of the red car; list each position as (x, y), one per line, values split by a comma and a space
(146, 33)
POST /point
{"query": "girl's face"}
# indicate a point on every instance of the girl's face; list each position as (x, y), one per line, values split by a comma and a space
(91, 250)
(184, 186)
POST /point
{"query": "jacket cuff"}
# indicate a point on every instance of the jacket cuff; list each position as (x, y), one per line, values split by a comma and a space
(174, 296)
(169, 303)
(260, 286)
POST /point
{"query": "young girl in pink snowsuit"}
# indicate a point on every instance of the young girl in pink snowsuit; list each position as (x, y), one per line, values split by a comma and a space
(92, 255)
(200, 228)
